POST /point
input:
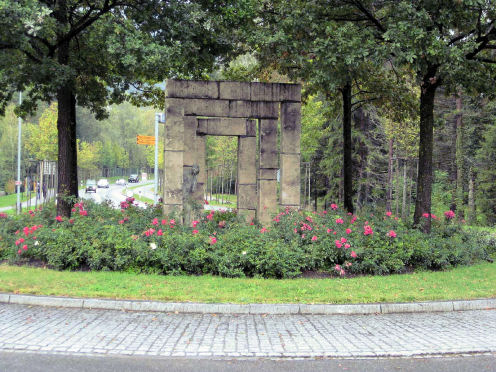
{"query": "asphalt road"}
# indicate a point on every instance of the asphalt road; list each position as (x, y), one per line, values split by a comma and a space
(31, 362)
(112, 194)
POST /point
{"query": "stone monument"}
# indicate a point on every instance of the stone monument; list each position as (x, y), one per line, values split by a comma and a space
(195, 109)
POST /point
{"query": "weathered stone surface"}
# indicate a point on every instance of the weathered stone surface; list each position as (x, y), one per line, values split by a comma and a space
(192, 89)
(265, 110)
(290, 127)
(234, 90)
(174, 128)
(251, 128)
(173, 177)
(267, 200)
(202, 127)
(290, 92)
(200, 142)
(201, 107)
(267, 174)
(190, 152)
(239, 109)
(247, 160)
(247, 196)
(264, 92)
(290, 179)
(268, 143)
(248, 214)
(223, 126)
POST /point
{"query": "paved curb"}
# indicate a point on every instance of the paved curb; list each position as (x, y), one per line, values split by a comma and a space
(272, 309)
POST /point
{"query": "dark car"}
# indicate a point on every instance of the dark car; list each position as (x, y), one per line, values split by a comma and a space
(90, 186)
(133, 178)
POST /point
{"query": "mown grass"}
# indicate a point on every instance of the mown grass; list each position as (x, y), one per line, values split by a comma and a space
(478, 281)
(11, 199)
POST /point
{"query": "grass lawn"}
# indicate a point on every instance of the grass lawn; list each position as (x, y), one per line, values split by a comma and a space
(471, 282)
(227, 197)
(11, 199)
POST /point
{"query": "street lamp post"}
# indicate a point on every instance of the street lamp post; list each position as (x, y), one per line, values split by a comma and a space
(18, 183)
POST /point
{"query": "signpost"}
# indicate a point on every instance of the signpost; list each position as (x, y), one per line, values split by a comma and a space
(145, 140)
(153, 141)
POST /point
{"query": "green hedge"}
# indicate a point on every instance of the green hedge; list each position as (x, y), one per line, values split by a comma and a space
(98, 237)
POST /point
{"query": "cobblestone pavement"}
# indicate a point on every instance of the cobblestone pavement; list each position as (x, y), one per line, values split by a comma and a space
(77, 331)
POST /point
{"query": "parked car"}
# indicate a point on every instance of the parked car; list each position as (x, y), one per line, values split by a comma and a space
(121, 182)
(133, 178)
(90, 186)
(103, 183)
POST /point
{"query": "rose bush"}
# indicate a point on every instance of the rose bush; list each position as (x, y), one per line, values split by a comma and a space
(98, 237)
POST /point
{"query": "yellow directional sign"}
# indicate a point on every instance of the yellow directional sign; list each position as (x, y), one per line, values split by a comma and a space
(145, 140)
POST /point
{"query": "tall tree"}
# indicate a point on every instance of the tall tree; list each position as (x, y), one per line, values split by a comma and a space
(91, 53)
(446, 43)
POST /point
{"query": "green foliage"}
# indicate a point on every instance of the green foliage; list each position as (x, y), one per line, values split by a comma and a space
(42, 141)
(487, 175)
(98, 237)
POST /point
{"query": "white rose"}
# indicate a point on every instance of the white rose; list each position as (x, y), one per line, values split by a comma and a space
(36, 242)
(153, 246)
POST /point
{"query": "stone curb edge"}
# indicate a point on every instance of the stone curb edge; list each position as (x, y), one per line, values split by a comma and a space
(271, 309)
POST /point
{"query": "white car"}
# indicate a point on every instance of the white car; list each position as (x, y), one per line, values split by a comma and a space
(103, 183)
(121, 182)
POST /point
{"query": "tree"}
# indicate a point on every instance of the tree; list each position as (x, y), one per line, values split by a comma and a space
(91, 53)
(446, 43)
(42, 137)
(308, 42)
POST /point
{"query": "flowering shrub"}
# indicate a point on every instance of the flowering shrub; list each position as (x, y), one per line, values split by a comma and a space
(98, 237)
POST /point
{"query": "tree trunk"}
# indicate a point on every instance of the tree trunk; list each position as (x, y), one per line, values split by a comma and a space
(424, 177)
(403, 206)
(347, 162)
(459, 155)
(471, 198)
(67, 155)
(389, 193)
(397, 187)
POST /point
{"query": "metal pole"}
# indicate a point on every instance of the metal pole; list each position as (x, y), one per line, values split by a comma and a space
(19, 161)
(157, 117)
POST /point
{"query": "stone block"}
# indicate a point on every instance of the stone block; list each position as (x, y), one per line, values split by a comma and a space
(264, 110)
(482, 304)
(290, 127)
(290, 179)
(192, 89)
(247, 160)
(223, 126)
(264, 92)
(268, 143)
(417, 307)
(251, 128)
(173, 177)
(4, 297)
(290, 92)
(267, 200)
(200, 158)
(201, 107)
(190, 152)
(248, 214)
(247, 196)
(202, 127)
(267, 174)
(239, 109)
(330, 309)
(174, 129)
(233, 90)
(95, 303)
(45, 301)
(274, 309)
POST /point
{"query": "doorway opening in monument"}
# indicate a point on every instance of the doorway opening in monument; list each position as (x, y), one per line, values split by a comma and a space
(221, 172)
